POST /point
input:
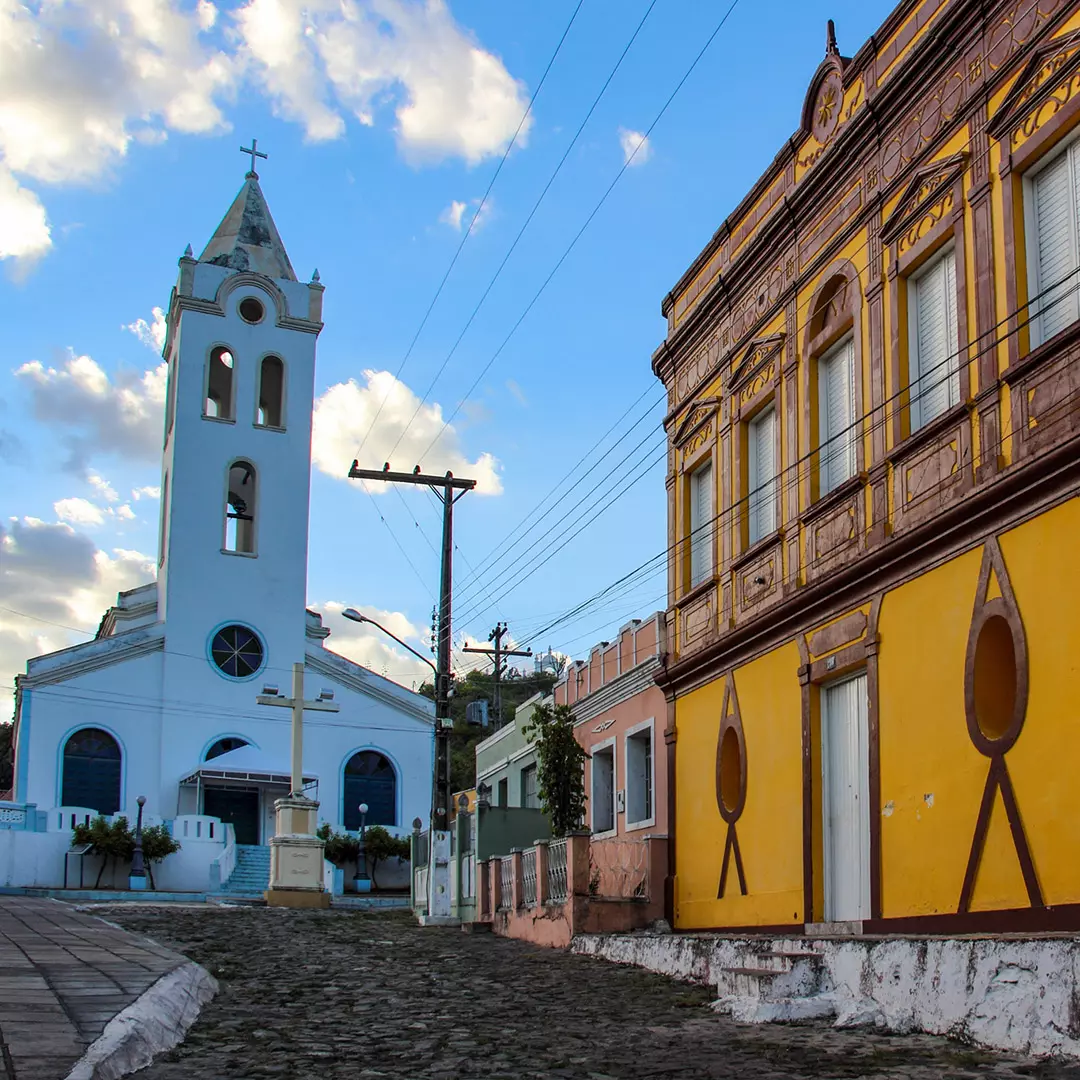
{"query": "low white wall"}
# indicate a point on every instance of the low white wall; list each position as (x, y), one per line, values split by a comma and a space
(1012, 993)
(35, 858)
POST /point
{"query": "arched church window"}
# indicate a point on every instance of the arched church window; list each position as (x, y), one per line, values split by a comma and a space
(240, 508)
(238, 653)
(230, 742)
(91, 771)
(370, 778)
(271, 393)
(219, 384)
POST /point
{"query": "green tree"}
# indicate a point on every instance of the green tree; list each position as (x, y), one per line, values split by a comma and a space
(380, 845)
(474, 686)
(560, 766)
(115, 842)
(6, 735)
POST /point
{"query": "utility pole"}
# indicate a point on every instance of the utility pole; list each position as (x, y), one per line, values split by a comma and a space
(444, 488)
(497, 654)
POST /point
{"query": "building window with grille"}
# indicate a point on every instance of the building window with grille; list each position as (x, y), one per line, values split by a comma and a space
(701, 524)
(836, 416)
(761, 475)
(1052, 209)
(530, 795)
(91, 771)
(639, 776)
(933, 358)
(370, 779)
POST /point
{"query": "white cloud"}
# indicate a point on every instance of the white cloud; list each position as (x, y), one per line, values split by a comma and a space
(24, 228)
(122, 414)
(151, 334)
(367, 645)
(104, 489)
(151, 491)
(636, 147)
(56, 575)
(79, 512)
(316, 58)
(344, 413)
(452, 215)
(470, 213)
(80, 80)
(517, 392)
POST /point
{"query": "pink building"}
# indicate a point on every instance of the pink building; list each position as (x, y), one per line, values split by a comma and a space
(621, 716)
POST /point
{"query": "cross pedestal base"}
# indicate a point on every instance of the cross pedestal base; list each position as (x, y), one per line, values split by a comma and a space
(296, 856)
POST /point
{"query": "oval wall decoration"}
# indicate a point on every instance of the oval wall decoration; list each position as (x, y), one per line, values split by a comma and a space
(995, 706)
(731, 780)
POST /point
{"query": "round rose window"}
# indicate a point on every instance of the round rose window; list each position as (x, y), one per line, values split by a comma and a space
(237, 651)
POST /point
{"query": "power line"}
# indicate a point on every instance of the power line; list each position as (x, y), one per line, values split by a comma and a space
(714, 524)
(469, 230)
(516, 240)
(588, 221)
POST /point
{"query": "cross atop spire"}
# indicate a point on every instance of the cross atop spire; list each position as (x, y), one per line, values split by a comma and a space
(255, 152)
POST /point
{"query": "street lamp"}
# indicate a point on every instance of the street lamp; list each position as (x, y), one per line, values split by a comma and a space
(137, 877)
(354, 616)
(362, 881)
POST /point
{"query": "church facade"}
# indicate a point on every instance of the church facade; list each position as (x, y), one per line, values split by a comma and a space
(162, 703)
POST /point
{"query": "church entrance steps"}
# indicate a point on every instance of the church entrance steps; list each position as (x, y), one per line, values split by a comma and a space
(1010, 992)
(252, 874)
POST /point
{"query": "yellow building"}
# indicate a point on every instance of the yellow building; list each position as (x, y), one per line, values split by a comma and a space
(873, 375)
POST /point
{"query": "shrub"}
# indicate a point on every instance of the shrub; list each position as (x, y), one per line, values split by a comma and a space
(115, 841)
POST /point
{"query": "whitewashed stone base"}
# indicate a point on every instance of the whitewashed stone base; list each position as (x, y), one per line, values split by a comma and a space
(1005, 993)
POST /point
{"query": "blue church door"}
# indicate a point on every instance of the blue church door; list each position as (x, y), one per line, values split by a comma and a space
(238, 806)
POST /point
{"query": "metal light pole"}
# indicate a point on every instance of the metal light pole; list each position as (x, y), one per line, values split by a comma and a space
(362, 881)
(137, 877)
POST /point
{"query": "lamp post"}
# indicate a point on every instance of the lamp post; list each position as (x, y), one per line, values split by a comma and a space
(362, 881)
(137, 877)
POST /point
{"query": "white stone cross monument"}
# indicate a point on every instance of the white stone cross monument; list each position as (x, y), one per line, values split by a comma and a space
(296, 853)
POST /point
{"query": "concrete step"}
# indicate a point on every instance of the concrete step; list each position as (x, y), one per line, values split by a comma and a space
(771, 979)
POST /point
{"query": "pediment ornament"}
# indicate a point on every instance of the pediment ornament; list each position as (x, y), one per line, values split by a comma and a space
(756, 360)
(700, 415)
(925, 201)
(1050, 79)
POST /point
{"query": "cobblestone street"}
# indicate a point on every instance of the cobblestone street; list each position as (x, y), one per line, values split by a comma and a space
(314, 996)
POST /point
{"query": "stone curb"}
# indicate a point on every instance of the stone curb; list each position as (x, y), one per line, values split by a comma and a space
(155, 1022)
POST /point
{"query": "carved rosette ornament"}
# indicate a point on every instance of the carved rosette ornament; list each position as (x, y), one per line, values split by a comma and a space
(731, 781)
(995, 703)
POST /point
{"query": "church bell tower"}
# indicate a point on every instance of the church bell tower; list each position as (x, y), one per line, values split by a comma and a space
(235, 484)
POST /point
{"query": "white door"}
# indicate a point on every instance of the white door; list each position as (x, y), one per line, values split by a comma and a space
(845, 764)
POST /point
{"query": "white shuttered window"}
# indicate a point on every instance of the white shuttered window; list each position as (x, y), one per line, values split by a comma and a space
(836, 415)
(933, 358)
(1053, 209)
(701, 524)
(761, 446)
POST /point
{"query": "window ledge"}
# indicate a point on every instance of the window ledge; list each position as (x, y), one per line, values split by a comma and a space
(1044, 351)
(833, 499)
(698, 590)
(607, 834)
(928, 432)
(219, 419)
(268, 427)
(757, 548)
(241, 554)
(637, 826)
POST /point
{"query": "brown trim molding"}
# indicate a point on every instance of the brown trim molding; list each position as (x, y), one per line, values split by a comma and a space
(731, 803)
(1041, 920)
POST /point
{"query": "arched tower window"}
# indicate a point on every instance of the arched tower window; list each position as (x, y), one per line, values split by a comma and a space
(240, 508)
(223, 746)
(219, 385)
(370, 778)
(91, 771)
(271, 393)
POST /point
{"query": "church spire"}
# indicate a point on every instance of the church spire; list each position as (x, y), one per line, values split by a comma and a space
(247, 238)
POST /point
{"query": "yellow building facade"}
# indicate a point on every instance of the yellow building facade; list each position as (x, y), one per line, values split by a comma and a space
(873, 376)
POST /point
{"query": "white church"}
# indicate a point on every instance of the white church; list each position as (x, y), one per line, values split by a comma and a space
(162, 702)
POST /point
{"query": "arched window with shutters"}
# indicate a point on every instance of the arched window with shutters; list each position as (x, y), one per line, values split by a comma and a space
(91, 771)
(369, 778)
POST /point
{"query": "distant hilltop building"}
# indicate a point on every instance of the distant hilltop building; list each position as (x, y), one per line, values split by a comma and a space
(549, 663)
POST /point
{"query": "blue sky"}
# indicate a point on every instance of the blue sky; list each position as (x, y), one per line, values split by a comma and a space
(117, 151)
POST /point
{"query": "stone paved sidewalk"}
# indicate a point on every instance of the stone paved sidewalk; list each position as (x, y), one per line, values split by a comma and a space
(328, 995)
(63, 976)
